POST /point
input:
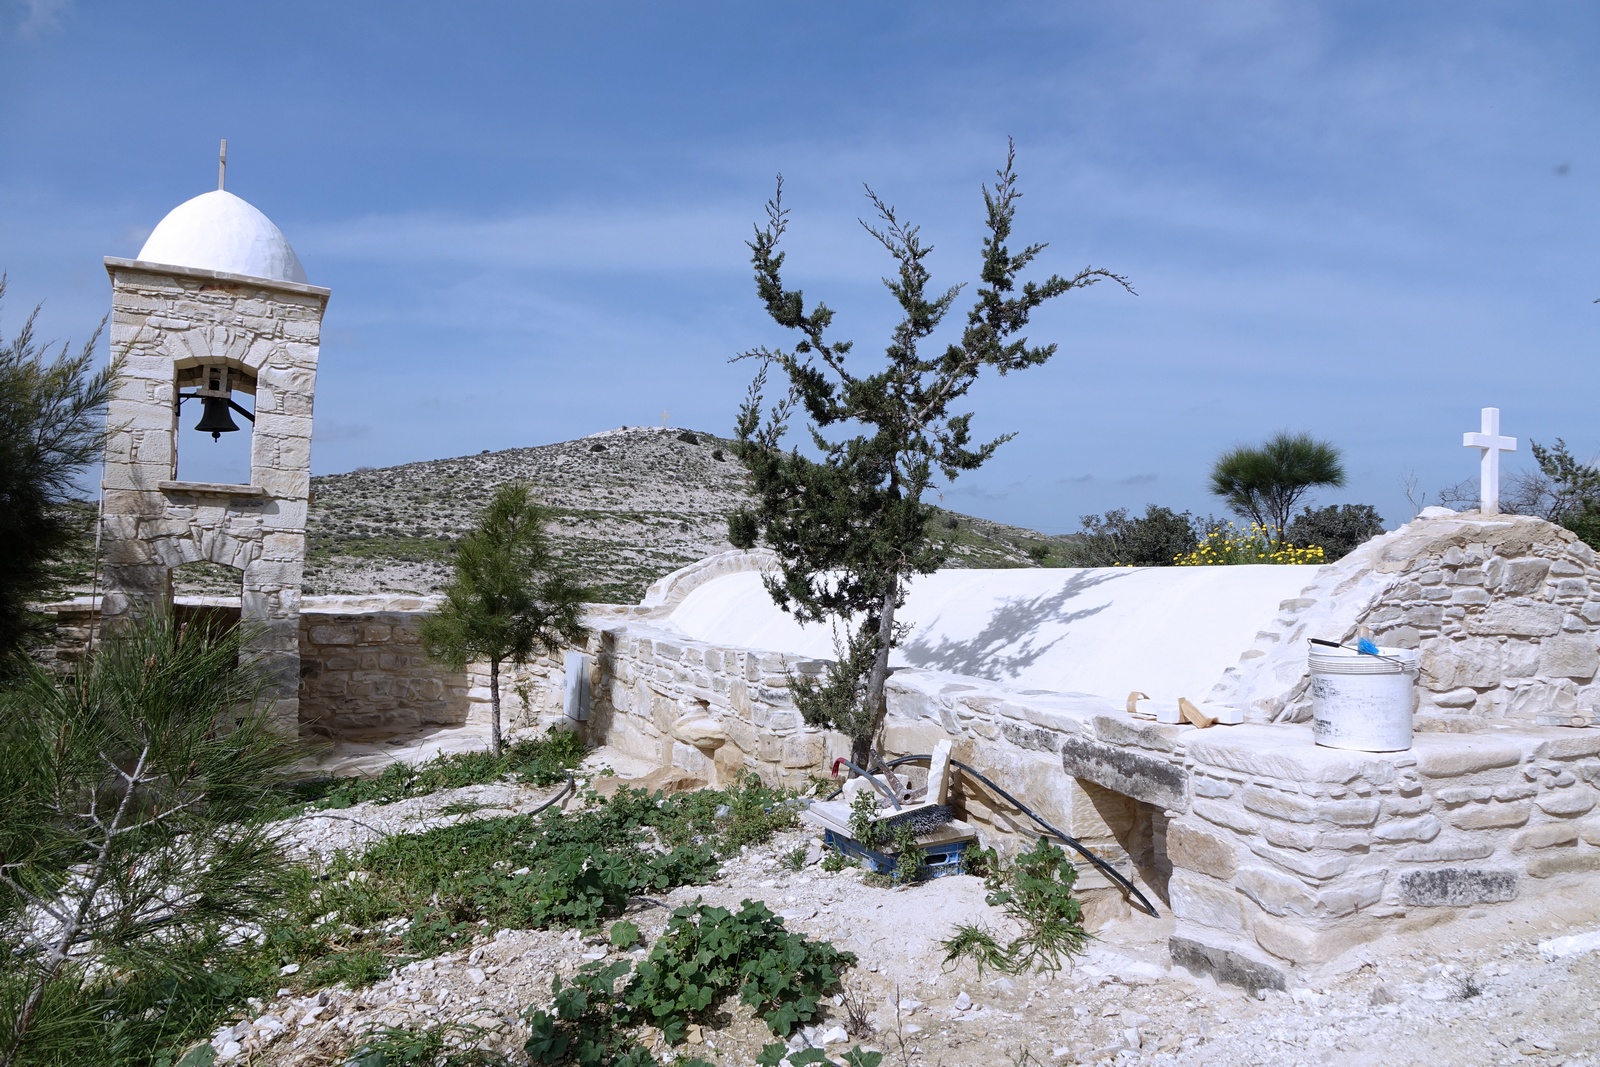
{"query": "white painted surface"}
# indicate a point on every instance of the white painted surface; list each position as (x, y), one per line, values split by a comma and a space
(219, 231)
(1491, 444)
(1167, 631)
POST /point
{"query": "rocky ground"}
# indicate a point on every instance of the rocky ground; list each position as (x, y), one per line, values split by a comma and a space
(1474, 989)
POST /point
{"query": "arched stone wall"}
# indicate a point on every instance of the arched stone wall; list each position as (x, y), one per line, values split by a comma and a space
(1505, 610)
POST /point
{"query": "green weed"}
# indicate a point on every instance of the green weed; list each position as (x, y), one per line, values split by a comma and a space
(451, 1045)
(705, 955)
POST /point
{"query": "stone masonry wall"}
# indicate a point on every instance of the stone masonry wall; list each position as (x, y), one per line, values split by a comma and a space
(364, 672)
(1504, 609)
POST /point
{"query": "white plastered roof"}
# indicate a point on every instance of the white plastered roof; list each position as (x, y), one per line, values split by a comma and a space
(219, 231)
(1166, 631)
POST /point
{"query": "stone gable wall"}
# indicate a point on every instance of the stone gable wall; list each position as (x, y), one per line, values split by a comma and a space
(1505, 611)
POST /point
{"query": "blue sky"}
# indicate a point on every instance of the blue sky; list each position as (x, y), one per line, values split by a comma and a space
(1361, 220)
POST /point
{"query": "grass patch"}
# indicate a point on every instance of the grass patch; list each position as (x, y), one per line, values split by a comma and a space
(541, 761)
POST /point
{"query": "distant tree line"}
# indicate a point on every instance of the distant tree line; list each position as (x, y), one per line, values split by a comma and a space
(1259, 484)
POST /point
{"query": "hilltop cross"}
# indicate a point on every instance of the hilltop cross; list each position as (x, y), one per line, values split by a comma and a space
(664, 420)
(1489, 441)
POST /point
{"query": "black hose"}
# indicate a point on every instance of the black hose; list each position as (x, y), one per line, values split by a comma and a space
(1076, 845)
(885, 790)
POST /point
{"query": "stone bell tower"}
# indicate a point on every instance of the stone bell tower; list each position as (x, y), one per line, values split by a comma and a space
(215, 309)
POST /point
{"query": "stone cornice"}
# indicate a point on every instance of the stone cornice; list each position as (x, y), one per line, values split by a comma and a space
(115, 263)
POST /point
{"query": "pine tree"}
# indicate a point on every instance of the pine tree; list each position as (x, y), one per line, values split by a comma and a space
(50, 429)
(1264, 484)
(507, 599)
(851, 527)
(130, 826)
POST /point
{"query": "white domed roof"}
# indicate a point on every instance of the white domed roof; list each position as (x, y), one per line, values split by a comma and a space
(218, 231)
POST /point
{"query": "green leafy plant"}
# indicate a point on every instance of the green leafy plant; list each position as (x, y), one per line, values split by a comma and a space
(864, 825)
(1039, 897)
(624, 934)
(795, 858)
(908, 856)
(586, 1023)
(707, 953)
(836, 861)
(1036, 892)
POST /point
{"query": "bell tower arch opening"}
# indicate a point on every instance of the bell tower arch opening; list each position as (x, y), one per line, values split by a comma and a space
(208, 394)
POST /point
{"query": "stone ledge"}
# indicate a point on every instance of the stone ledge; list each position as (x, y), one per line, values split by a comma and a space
(116, 263)
(211, 489)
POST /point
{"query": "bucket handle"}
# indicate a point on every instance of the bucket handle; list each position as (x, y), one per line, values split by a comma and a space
(1335, 644)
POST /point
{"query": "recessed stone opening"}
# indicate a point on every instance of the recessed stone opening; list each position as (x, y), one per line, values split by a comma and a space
(1129, 834)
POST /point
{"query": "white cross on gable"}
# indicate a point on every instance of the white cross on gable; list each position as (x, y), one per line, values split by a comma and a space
(1488, 439)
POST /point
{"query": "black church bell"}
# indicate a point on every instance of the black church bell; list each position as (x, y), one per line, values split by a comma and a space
(214, 418)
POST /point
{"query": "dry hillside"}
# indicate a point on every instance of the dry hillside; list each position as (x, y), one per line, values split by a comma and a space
(628, 506)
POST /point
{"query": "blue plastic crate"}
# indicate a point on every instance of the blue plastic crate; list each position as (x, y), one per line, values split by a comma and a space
(948, 857)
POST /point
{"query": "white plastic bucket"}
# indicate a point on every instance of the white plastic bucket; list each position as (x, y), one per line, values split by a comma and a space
(1363, 702)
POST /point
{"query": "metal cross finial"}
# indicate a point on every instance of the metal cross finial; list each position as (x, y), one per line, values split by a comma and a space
(1492, 444)
(222, 163)
(664, 419)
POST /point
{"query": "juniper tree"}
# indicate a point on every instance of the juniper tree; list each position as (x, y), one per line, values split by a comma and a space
(507, 600)
(852, 526)
(50, 429)
(1264, 484)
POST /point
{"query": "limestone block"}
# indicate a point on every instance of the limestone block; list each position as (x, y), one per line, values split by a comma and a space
(1570, 744)
(1226, 815)
(1447, 851)
(1291, 835)
(1493, 816)
(1400, 807)
(1455, 698)
(1275, 804)
(1191, 848)
(1121, 731)
(1422, 828)
(1203, 901)
(1457, 755)
(1276, 893)
(1565, 803)
(1302, 944)
(1520, 577)
(1466, 663)
(1205, 786)
(1518, 618)
(1457, 886)
(1521, 659)
(1146, 778)
(1314, 866)
(1575, 862)
(1569, 657)
(1551, 835)
(1589, 830)
(1228, 965)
